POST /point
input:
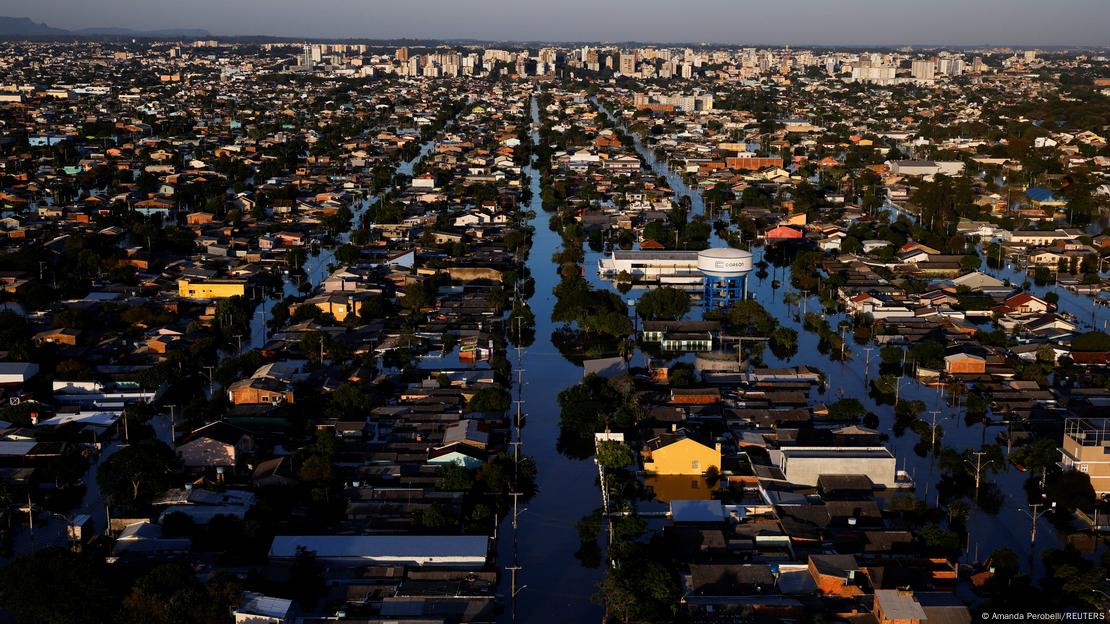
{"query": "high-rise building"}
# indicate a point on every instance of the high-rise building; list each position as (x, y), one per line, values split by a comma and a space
(403, 55)
(306, 57)
(628, 64)
(923, 69)
(951, 66)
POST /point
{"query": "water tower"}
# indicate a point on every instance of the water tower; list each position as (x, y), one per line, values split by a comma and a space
(726, 275)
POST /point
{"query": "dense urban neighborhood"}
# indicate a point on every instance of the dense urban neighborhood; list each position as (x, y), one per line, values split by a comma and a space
(297, 332)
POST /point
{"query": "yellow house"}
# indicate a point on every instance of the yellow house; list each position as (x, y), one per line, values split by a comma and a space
(212, 288)
(678, 454)
(339, 305)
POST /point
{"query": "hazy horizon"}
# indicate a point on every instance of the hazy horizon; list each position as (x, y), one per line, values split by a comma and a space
(793, 22)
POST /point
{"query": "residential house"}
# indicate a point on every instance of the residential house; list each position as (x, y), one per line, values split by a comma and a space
(219, 445)
(677, 453)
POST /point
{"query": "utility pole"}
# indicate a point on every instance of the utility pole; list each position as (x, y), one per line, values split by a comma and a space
(898, 382)
(173, 426)
(1034, 515)
(516, 444)
(513, 591)
(867, 366)
(519, 347)
(979, 465)
(31, 520)
(516, 507)
(933, 447)
(239, 337)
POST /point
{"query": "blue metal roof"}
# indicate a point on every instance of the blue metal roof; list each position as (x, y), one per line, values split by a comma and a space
(1039, 194)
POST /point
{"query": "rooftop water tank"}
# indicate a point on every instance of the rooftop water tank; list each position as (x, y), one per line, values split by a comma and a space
(725, 262)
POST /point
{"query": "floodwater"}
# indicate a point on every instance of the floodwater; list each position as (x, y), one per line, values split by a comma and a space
(317, 265)
(556, 587)
(1011, 526)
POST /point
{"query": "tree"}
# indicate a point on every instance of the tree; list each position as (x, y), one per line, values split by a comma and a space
(784, 343)
(347, 400)
(663, 303)
(1091, 341)
(970, 262)
(171, 594)
(31, 587)
(347, 254)
(891, 354)
(1045, 354)
(319, 458)
(750, 318)
(455, 478)
(489, 400)
(436, 517)
(638, 591)
(928, 353)
(614, 455)
(938, 540)
(658, 232)
(419, 295)
(133, 475)
(585, 409)
(681, 375)
(1038, 456)
(1071, 490)
(1005, 563)
(847, 409)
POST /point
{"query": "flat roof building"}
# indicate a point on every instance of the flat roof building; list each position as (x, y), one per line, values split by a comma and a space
(644, 263)
(419, 550)
(1086, 448)
(805, 465)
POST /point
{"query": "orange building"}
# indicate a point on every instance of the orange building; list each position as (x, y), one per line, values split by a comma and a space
(259, 390)
(964, 364)
(752, 164)
(695, 396)
(835, 575)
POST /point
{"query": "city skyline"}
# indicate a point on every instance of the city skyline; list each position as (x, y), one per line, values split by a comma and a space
(849, 23)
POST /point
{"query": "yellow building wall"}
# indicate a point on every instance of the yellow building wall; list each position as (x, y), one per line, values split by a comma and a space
(211, 290)
(685, 457)
(340, 310)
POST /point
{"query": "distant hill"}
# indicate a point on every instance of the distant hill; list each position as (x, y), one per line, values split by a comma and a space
(130, 32)
(25, 27)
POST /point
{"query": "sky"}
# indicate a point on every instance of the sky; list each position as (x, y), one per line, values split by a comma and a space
(755, 22)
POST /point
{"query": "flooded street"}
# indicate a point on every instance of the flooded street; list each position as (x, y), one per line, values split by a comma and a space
(558, 588)
(317, 264)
